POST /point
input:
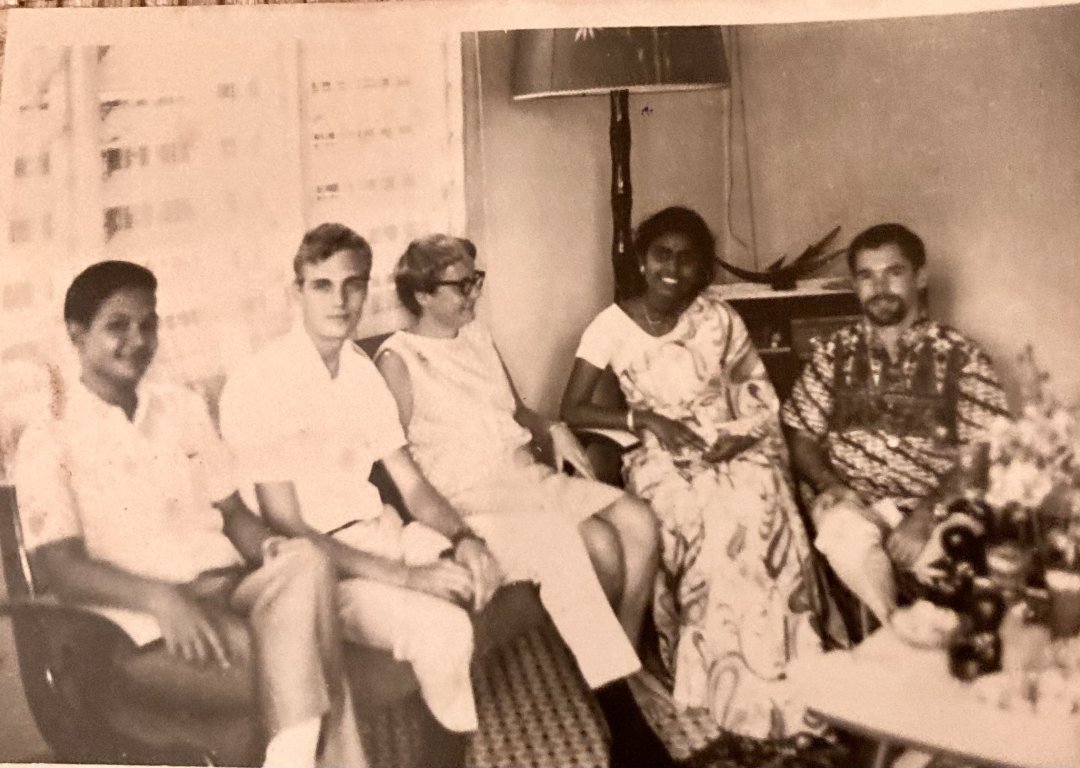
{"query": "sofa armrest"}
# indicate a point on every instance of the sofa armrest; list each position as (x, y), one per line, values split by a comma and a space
(514, 609)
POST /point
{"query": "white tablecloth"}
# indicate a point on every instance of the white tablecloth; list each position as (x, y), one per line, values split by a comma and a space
(894, 692)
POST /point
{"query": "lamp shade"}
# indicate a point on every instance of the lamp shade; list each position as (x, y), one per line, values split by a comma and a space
(598, 60)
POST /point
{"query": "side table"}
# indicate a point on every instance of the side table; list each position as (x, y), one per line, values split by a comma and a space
(896, 694)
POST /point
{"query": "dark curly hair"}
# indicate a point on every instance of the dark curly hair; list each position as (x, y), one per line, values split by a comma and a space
(91, 287)
(910, 244)
(679, 220)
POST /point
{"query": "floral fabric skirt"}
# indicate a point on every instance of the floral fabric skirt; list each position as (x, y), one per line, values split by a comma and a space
(736, 593)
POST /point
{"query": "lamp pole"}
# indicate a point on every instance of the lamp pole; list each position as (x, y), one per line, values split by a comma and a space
(622, 258)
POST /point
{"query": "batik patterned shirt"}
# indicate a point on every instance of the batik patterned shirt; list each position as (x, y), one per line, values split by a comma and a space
(892, 428)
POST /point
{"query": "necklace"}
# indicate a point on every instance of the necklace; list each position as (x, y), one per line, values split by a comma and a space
(654, 325)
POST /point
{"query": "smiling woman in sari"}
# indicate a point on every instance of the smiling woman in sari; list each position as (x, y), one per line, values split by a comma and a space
(737, 595)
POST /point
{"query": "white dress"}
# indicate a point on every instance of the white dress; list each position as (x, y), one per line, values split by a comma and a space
(463, 435)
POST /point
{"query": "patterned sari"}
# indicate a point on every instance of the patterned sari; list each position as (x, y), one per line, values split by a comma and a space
(738, 596)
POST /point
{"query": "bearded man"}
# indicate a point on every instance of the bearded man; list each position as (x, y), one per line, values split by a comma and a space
(879, 416)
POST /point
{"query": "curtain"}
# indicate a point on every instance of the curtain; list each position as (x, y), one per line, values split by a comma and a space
(206, 160)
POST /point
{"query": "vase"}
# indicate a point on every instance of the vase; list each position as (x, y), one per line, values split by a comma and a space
(1064, 588)
(1008, 567)
(973, 465)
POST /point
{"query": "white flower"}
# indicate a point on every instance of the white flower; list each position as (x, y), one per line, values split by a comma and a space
(1020, 482)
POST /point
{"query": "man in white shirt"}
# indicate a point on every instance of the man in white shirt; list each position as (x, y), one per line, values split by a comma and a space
(308, 416)
(127, 498)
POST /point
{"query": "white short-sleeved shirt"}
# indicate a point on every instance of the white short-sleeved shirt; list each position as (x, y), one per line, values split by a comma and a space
(613, 338)
(288, 420)
(138, 492)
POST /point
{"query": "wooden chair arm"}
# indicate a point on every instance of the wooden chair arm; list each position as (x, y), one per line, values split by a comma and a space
(72, 645)
(64, 654)
(58, 622)
(608, 437)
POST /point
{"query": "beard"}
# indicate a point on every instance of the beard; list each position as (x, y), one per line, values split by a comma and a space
(885, 309)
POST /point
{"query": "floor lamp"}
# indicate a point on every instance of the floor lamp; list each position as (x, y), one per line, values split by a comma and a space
(614, 61)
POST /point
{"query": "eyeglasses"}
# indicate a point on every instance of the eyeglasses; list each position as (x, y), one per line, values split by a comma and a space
(465, 285)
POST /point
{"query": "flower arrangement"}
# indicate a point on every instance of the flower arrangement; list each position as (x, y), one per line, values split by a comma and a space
(1020, 485)
(1034, 464)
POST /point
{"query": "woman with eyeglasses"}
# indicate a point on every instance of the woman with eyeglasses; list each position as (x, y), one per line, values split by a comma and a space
(738, 594)
(592, 548)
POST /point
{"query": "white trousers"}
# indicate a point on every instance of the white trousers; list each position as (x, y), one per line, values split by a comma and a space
(433, 635)
(854, 547)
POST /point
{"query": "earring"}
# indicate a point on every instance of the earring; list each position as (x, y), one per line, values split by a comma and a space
(641, 268)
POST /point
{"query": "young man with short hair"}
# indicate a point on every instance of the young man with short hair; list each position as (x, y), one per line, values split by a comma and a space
(309, 415)
(127, 498)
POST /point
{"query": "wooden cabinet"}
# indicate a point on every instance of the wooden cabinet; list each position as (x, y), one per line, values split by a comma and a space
(782, 323)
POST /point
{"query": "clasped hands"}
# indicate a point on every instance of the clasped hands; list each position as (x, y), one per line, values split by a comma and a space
(469, 577)
(906, 541)
(675, 436)
(909, 538)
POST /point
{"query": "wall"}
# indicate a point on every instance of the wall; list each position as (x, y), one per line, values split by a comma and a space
(964, 127)
(538, 190)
